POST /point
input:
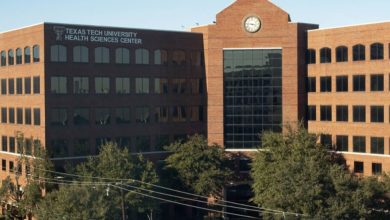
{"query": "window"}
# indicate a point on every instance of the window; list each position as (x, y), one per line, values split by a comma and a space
(19, 56)
(142, 115)
(80, 54)
(376, 168)
(161, 142)
(36, 85)
(3, 115)
(141, 56)
(27, 55)
(359, 83)
(161, 114)
(19, 86)
(27, 116)
(81, 116)
(58, 148)
(81, 147)
(326, 113)
(179, 57)
(3, 61)
(19, 116)
(80, 85)
(36, 53)
(377, 145)
(37, 116)
(27, 85)
(311, 56)
(4, 87)
(12, 144)
(359, 52)
(376, 51)
(311, 84)
(59, 117)
(122, 56)
(11, 86)
(4, 143)
(179, 113)
(11, 166)
(325, 55)
(342, 113)
(160, 57)
(377, 82)
(377, 114)
(4, 165)
(195, 86)
(58, 53)
(359, 144)
(311, 113)
(102, 55)
(142, 143)
(160, 86)
(102, 85)
(196, 58)
(122, 85)
(102, 116)
(342, 83)
(11, 113)
(342, 143)
(11, 57)
(142, 85)
(179, 86)
(58, 85)
(326, 140)
(195, 113)
(358, 167)
(122, 115)
(342, 54)
(326, 84)
(359, 113)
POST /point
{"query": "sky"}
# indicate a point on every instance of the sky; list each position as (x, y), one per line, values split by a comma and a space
(179, 14)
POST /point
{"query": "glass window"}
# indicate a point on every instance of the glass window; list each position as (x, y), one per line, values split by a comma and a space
(359, 52)
(142, 115)
(19, 56)
(36, 84)
(4, 165)
(326, 140)
(377, 82)
(122, 56)
(36, 53)
(376, 51)
(3, 58)
(58, 53)
(142, 143)
(11, 86)
(311, 56)
(80, 54)
(195, 113)
(179, 86)
(12, 144)
(161, 142)
(311, 113)
(80, 85)
(359, 113)
(161, 114)
(102, 85)
(59, 117)
(11, 113)
(376, 168)
(196, 58)
(141, 56)
(325, 55)
(11, 57)
(377, 145)
(377, 114)
(81, 116)
(4, 87)
(122, 85)
(326, 113)
(358, 167)
(19, 86)
(59, 148)
(27, 116)
(27, 85)
(179, 57)
(342, 143)
(102, 55)
(142, 85)
(195, 86)
(342, 113)
(342, 83)
(4, 143)
(160, 57)
(123, 142)
(359, 144)
(326, 83)
(81, 147)
(102, 116)
(37, 116)
(3, 115)
(11, 166)
(342, 54)
(122, 115)
(359, 83)
(179, 113)
(27, 55)
(160, 86)
(58, 85)
(19, 116)
(311, 84)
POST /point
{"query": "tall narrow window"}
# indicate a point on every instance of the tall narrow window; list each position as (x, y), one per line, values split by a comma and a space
(311, 113)
(27, 85)
(179, 57)
(19, 86)
(3, 61)
(37, 116)
(80, 54)
(311, 56)
(11, 57)
(325, 55)
(11, 86)
(4, 86)
(27, 55)
(326, 83)
(58, 85)
(142, 56)
(102, 85)
(58, 53)
(80, 85)
(19, 56)
(4, 117)
(342, 54)
(36, 85)
(19, 116)
(376, 51)
(36, 53)
(160, 57)
(359, 83)
(342, 83)
(122, 56)
(102, 55)
(311, 84)
(11, 114)
(27, 116)
(359, 52)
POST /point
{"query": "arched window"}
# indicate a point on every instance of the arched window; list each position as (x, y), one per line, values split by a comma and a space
(19, 56)
(160, 57)
(102, 55)
(80, 54)
(359, 52)
(376, 51)
(122, 56)
(36, 53)
(11, 57)
(27, 55)
(311, 56)
(179, 57)
(325, 55)
(3, 58)
(58, 53)
(342, 54)
(142, 56)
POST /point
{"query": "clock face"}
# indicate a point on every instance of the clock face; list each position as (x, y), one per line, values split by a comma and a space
(252, 24)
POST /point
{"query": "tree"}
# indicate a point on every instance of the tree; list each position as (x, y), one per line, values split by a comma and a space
(291, 172)
(202, 168)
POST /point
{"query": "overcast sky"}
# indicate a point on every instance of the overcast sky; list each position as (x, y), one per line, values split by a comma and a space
(179, 14)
